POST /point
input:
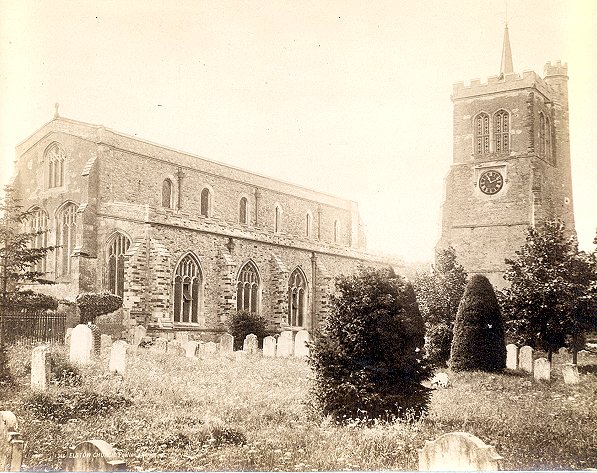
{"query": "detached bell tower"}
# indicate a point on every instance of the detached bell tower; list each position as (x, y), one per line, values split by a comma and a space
(511, 165)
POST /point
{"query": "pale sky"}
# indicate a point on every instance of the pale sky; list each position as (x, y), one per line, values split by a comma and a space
(347, 97)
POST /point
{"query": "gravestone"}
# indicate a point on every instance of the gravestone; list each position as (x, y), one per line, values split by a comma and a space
(458, 451)
(81, 344)
(182, 337)
(563, 351)
(11, 444)
(67, 336)
(40, 368)
(251, 345)
(210, 348)
(226, 343)
(139, 332)
(570, 372)
(511, 356)
(525, 359)
(93, 455)
(440, 380)
(269, 346)
(542, 369)
(105, 341)
(301, 349)
(174, 347)
(190, 348)
(160, 345)
(118, 357)
(285, 344)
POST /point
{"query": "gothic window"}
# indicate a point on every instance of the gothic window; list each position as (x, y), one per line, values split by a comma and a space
(205, 202)
(482, 134)
(167, 191)
(336, 231)
(118, 246)
(55, 157)
(308, 225)
(247, 289)
(187, 290)
(501, 123)
(297, 297)
(544, 136)
(39, 224)
(277, 219)
(243, 211)
(66, 234)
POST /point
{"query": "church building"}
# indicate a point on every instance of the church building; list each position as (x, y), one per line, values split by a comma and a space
(511, 164)
(184, 240)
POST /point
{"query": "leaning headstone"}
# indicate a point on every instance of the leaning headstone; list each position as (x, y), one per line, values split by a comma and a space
(190, 348)
(182, 337)
(511, 356)
(93, 455)
(118, 357)
(458, 451)
(226, 343)
(81, 344)
(210, 348)
(251, 344)
(301, 349)
(40, 368)
(11, 444)
(285, 344)
(570, 372)
(542, 369)
(139, 332)
(525, 359)
(105, 341)
(67, 336)
(269, 346)
(160, 345)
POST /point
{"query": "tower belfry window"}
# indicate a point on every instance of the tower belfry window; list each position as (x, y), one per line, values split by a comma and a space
(482, 134)
(502, 132)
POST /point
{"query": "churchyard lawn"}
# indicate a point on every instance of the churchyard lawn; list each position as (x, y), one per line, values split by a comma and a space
(252, 413)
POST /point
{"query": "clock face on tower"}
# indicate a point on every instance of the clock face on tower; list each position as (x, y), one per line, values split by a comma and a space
(491, 182)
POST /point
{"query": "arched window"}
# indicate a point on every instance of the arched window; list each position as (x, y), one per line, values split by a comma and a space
(118, 246)
(297, 298)
(548, 141)
(541, 134)
(243, 211)
(66, 234)
(205, 202)
(482, 134)
(544, 136)
(187, 290)
(277, 219)
(336, 231)
(39, 224)
(167, 191)
(308, 225)
(501, 124)
(247, 289)
(55, 157)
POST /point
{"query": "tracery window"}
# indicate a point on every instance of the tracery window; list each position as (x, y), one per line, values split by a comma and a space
(187, 290)
(55, 158)
(297, 298)
(243, 211)
(39, 224)
(501, 123)
(118, 246)
(482, 134)
(66, 234)
(167, 194)
(205, 202)
(247, 289)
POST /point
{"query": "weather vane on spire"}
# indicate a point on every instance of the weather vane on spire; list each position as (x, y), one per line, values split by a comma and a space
(56, 105)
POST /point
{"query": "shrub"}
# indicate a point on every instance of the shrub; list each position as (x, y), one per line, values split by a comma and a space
(31, 300)
(438, 341)
(63, 372)
(92, 305)
(478, 342)
(6, 378)
(243, 323)
(368, 359)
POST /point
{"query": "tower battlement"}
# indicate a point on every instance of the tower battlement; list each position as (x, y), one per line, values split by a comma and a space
(557, 69)
(501, 83)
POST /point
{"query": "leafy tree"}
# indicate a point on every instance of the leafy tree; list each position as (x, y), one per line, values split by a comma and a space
(552, 298)
(439, 293)
(479, 339)
(92, 305)
(243, 323)
(368, 359)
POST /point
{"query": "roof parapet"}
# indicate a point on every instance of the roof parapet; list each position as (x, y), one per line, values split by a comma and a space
(501, 83)
(556, 69)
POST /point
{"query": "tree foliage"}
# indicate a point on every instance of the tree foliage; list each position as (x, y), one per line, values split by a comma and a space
(242, 323)
(368, 358)
(479, 338)
(438, 294)
(552, 298)
(91, 305)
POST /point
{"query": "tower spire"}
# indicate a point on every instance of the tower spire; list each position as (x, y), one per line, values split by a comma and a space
(506, 67)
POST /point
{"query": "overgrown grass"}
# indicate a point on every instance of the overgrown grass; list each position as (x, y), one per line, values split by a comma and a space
(218, 413)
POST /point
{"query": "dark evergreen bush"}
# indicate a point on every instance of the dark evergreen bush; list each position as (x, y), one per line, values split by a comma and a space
(479, 341)
(368, 359)
(92, 305)
(243, 323)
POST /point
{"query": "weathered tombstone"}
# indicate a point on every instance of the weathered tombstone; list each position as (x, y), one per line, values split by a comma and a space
(269, 346)
(190, 348)
(11, 444)
(210, 348)
(570, 372)
(105, 341)
(458, 451)
(300, 344)
(93, 455)
(285, 344)
(511, 356)
(182, 337)
(160, 345)
(118, 357)
(542, 369)
(251, 345)
(440, 380)
(226, 343)
(172, 346)
(139, 332)
(525, 359)
(40, 368)
(67, 336)
(81, 344)
(563, 351)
